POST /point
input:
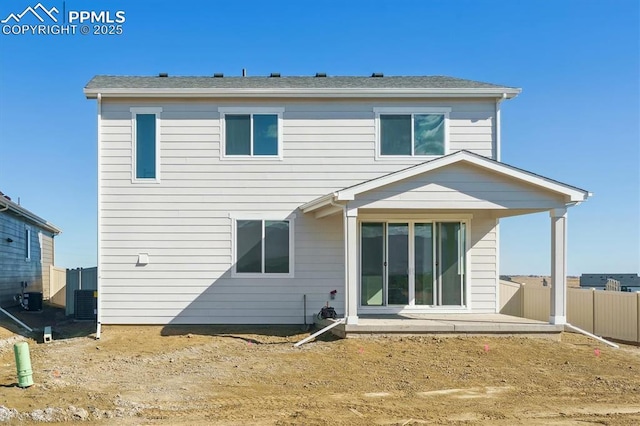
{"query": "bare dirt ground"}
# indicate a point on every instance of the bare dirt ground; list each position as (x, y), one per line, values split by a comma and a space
(237, 376)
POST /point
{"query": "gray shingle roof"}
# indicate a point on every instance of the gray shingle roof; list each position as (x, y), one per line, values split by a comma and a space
(393, 82)
(6, 204)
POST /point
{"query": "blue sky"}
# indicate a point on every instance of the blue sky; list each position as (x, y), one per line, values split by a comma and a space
(577, 119)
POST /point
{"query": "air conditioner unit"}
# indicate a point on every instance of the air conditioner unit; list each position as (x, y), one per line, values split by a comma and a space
(85, 303)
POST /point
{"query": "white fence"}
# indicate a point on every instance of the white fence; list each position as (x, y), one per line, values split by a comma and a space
(612, 314)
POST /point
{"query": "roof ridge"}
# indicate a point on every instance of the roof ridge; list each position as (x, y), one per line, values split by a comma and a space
(292, 75)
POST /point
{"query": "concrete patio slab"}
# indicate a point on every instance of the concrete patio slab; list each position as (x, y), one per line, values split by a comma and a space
(453, 324)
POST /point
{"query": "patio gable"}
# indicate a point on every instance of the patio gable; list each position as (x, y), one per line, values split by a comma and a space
(460, 181)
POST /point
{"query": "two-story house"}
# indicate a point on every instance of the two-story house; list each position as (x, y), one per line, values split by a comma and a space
(233, 199)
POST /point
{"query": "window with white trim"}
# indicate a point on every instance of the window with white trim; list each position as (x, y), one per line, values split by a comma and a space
(416, 132)
(41, 245)
(251, 133)
(27, 243)
(145, 144)
(263, 247)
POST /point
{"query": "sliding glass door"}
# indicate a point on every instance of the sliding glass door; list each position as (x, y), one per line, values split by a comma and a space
(424, 263)
(412, 263)
(450, 263)
(398, 261)
(372, 265)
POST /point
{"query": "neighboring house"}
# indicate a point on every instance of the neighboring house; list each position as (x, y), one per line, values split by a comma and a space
(627, 281)
(226, 200)
(26, 251)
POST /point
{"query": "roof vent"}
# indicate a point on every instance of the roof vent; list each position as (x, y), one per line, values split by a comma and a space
(377, 74)
(321, 74)
(163, 74)
(275, 74)
(218, 75)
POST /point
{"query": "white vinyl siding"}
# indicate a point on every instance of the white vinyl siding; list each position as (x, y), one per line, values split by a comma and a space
(483, 261)
(184, 224)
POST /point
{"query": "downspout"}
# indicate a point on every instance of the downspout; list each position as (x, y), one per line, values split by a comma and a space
(98, 264)
(497, 227)
(20, 323)
(317, 333)
(498, 102)
(346, 248)
(593, 336)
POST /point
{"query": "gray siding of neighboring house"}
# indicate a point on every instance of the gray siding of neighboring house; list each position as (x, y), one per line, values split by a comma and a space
(14, 266)
(184, 222)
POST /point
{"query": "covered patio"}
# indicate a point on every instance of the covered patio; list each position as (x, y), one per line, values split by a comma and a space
(433, 263)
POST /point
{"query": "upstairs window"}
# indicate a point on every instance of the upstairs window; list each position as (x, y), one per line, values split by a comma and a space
(146, 144)
(255, 133)
(420, 133)
(263, 247)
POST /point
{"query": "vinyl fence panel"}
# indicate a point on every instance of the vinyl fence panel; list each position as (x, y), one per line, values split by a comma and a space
(79, 279)
(580, 308)
(537, 302)
(616, 315)
(510, 299)
(57, 284)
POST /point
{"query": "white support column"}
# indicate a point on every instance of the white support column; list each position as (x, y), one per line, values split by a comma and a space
(558, 266)
(351, 233)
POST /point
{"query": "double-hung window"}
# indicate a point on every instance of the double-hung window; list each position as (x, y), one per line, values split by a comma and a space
(145, 144)
(251, 132)
(263, 247)
(415, 132)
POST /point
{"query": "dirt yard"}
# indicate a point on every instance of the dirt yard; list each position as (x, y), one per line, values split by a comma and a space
(213, 375)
